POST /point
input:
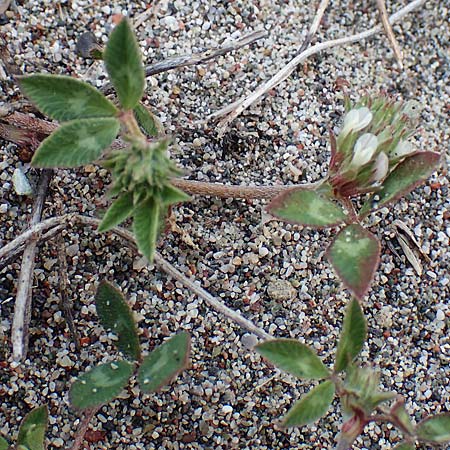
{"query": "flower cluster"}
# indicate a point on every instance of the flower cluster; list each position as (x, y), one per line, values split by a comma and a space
(143, 170)
(370, 144)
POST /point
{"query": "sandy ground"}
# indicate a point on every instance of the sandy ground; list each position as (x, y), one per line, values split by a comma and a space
(229, 398)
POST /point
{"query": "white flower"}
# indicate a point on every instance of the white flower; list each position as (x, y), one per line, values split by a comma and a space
(403, 148)
(355, 120)
(381, 167)
(364, 149)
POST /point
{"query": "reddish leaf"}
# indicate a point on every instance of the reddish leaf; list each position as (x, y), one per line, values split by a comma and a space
(355, 254)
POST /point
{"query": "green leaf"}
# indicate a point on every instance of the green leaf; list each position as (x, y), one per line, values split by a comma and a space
(403, 179)
(3, 444)
(100, 385)
(170, 195)
(354, 255)
(120, 209)
(164, 363)
(64, 98)
(306, 207)
(435, 429)
(404, 446)
(294, 358)
(145, 226)
(76, 143)
(401, 417)
(147, 121)
(32, 429)
(124, 65)
(116, 315)
(353, 336)
(311, 406)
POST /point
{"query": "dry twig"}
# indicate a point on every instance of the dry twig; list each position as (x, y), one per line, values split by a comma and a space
(390, 34)
(235, 109)
(315, 24)
(197, 58)
(22, 307)
(66, 304)
(234, 316)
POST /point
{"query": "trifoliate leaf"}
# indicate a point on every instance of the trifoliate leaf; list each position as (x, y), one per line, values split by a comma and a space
(145, 226)
(170, 195)
(434, 429)
(147, 121)
(3, 444)
(404, 178)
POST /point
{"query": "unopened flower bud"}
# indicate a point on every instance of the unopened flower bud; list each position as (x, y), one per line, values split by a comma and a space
(403, 148)
(364, 149)
(381, 167)
(355, 120)
(412, 109)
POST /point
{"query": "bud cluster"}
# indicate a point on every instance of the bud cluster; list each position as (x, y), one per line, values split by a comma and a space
(371, 143)
(143, 170)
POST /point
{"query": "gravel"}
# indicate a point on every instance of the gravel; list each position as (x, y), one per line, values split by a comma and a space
(230, 398)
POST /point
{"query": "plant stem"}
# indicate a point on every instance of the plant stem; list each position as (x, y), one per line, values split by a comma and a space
(235, 191)
(83, 427)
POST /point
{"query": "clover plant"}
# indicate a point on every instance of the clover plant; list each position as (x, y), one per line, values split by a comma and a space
(372, 164)
(356, 387)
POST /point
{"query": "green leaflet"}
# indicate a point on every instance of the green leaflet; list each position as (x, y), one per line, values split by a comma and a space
(435, 429)
(404, 446)
(32, 429)
(100, 385)
(116, 315)
(65, 98)
(164, 363)
(147, 121)
(311, 406)
(76, 143)
(306, 207)
(145, 226)
(3, 444)
(123, 62)
(353, 336)
(120, 210)
(294, 358)
(404, 178)
(171, 195)
(355, 254)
